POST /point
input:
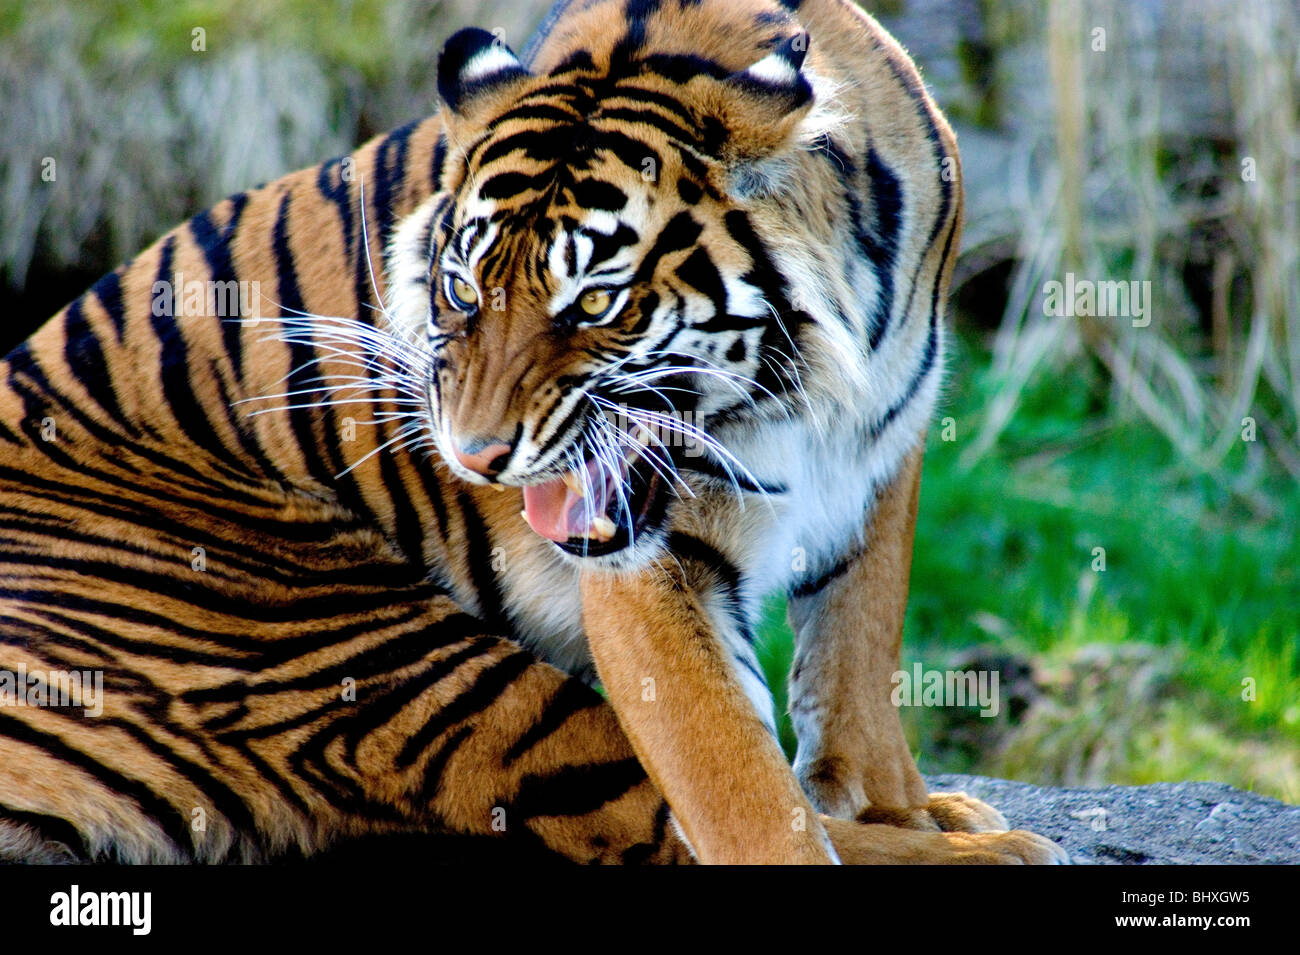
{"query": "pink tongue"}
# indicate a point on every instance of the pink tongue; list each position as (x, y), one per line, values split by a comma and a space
(557, 513)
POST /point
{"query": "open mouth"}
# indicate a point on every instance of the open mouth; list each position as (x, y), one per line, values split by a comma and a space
(590, 511)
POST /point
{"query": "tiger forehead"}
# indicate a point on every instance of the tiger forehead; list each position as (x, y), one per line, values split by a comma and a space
(564, 223)
(564, 144)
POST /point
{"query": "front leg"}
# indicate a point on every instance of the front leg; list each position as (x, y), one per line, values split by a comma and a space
(853, 758)
(848, 624)
(674, 689)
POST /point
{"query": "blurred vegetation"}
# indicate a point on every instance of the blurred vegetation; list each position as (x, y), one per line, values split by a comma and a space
(1114, 139)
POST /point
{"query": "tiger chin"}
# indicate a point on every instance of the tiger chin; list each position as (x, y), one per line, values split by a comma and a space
(658, 332)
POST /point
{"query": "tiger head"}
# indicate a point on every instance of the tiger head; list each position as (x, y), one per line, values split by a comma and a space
(597, 302)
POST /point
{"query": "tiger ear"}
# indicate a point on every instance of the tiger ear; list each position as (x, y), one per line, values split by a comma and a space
(476, 73)
(764, 104)
(760, 112)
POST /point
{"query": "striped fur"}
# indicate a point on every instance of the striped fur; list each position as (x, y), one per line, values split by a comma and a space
(317, 622)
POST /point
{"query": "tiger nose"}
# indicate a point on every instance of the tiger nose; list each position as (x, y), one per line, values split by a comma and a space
(487, 458)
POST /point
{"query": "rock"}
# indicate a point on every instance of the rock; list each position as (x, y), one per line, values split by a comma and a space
(1160, 824)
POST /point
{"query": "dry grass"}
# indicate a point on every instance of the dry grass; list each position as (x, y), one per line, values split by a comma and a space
(1123, 180)
(144, 130)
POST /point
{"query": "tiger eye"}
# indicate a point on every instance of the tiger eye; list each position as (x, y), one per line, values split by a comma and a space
(596, 302)
(463, 292)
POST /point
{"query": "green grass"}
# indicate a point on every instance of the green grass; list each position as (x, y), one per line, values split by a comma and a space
(1004, 555)
(110, 28)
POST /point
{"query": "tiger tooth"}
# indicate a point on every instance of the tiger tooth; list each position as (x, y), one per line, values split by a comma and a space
(497, 487)
(524, 515)
(574, 483)
(603, 528)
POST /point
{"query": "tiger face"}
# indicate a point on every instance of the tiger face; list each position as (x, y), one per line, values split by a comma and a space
(597, 306)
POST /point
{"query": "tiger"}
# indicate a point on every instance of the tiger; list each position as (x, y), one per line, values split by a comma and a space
(461, 524)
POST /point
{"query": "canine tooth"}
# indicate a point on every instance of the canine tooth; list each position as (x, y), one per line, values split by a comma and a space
(524, 515)
(604, 528)
(497, 487)
(573, 483)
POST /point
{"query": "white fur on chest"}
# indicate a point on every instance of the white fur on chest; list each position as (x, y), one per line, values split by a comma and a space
(827, 489)
(830, 482)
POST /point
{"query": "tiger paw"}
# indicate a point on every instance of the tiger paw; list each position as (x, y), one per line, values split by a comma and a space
(946, 812)
(876, 844)
(1016, 847)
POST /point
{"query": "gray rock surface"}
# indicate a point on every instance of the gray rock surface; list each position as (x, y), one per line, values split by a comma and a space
(1163, 823)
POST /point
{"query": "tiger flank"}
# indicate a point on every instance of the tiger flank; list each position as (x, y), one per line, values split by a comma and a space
(545, 390)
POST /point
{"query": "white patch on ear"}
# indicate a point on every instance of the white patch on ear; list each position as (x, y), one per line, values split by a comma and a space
(489, 62)
(775, 69)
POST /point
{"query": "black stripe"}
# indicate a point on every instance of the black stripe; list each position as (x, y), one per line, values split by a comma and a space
(572, 697)
(643, 852)
(777, 374)
(224, 799)
(109, 292)
(688, 547)
(576, 790)
(478, 560)
(598, 194)
(85, 359)
(506, 185)
(438, 163)
(152, 804)
(879, 246)
(216, 251)
(48, 828)
(247, 440)
(664, 101)
(393, 654)
(382, 710)
(390, 177)
(302, 356)
(699, 272)
(928, 356)
(714, 469)
(332, 187)
(437, 764)
(579, 409)
(408, 528)
(629, 151)
(680, 232)
(549, 145)
(653, 119)
(175, 368)
(485, 691)
(809, 588)
(683, 67)
(23, 364)
(288, 792)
